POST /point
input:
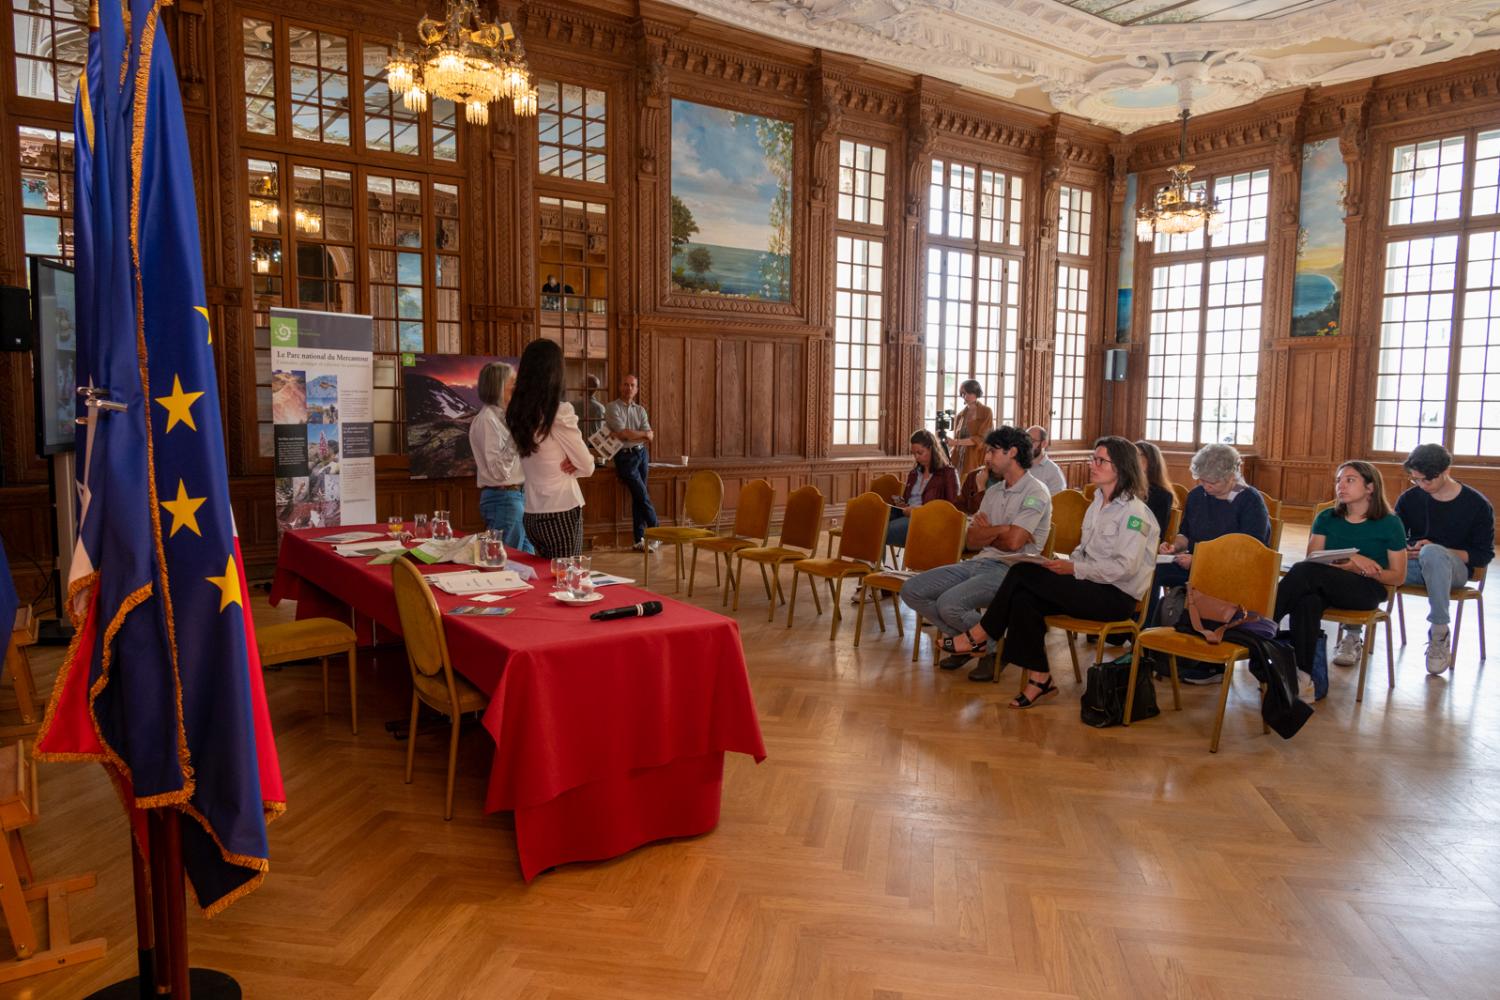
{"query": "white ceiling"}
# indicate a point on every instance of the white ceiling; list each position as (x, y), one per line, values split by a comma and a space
(1129, 63)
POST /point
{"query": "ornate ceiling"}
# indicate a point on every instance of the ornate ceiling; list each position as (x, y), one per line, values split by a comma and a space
(1129, 63)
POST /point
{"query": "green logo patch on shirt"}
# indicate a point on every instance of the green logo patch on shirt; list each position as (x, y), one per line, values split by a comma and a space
(1031, 502)
(1136, 524)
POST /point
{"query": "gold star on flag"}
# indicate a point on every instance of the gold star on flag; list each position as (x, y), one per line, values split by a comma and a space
(184, 510)
(228, 584)
(179, 405)
(206, 322)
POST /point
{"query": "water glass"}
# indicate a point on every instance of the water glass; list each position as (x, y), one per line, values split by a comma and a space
(394, 525)
(442, 527)
(581, 577)
(492, 548)
(560, 573)
(419, 526)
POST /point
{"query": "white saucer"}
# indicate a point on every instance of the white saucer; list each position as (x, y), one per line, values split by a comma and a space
(567, 598)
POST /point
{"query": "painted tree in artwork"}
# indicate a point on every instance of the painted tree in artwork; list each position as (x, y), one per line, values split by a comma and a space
(683, 225)
(700, 261)
(775, 138)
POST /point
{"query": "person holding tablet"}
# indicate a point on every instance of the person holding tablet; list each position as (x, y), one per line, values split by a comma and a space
(932, 478)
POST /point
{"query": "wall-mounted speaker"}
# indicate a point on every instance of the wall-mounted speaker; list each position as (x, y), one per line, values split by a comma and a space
(15, 319)
(1115, 360)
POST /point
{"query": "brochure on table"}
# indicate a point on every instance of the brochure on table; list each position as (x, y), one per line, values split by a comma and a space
(322, 418)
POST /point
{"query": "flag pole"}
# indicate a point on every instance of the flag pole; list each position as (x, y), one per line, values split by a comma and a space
(145, 937)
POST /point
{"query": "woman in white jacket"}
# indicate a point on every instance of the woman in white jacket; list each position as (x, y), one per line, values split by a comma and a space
(553, 453)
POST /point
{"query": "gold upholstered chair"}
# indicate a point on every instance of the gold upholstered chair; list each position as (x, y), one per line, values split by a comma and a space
(433, 681)
(752, 528)
(312, 639)
(1367, 621)
(800, 525)
(935, 538)
(1068, 508)
(860, 548)
(1236, 568)
(885, 486)
(700, 519)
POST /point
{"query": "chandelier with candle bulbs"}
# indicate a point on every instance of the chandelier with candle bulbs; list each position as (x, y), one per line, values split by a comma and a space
(1177, 208)
(464, 59)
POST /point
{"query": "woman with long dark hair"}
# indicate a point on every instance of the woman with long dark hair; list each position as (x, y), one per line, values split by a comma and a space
(1107, 574)
(932, 478)
(553, 453)
(1159, 494)
(1359, 519)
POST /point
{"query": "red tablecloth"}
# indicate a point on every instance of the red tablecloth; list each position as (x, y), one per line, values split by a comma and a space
(608, 735)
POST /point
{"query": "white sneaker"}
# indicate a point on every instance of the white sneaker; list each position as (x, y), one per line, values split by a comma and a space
(653, 545)
(1439, 656)
(638, 547)
(1350, 648)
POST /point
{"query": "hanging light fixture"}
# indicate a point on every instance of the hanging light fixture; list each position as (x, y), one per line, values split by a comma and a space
(466, 60)
(264, 212)
(1177, 208)
(308, 222)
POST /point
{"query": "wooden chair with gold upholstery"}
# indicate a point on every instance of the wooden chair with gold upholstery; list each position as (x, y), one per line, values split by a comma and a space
(1181, 492)
(800, 526)
(18, 810)
(752, 528)
(1461, 596)
(312, 639)
(700, 517)
(860, 548)
(18, 666)
(1068, 508)
(1103, 631)
(1235, 568)
(1367, 621)
(885, 486)
(433, 681)
(934, 538)
(1088, 491)
(1273, 511)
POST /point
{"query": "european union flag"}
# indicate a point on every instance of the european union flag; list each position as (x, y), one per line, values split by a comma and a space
(162, 683)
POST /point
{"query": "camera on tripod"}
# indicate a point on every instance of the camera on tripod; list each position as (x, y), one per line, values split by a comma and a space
(943, 422)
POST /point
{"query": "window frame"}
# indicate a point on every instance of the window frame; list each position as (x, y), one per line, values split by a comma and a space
(877, 233)
(1086, 261)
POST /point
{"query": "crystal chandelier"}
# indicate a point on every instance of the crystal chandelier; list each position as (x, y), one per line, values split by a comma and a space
(1177, 208)
(264, 212)
(463, 59)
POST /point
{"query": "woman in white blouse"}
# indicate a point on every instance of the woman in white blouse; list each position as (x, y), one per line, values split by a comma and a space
(553, 453)
(498, 464)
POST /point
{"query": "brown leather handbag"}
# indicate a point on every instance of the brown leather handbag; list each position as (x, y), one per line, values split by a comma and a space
(1205, 609)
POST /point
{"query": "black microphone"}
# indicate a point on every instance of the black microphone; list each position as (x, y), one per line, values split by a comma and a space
(645, 610)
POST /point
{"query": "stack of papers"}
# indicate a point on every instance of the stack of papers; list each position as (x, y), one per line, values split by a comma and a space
(349, 536)
(1331, 555)
(603, 579)
(464, 584)
(1012, 558)
(359, 549)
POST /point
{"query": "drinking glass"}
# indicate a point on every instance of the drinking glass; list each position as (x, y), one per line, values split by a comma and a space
(419, 526)
(492, 548)
(442, 527)
(394, 525)
(580, 577)
(560, 573)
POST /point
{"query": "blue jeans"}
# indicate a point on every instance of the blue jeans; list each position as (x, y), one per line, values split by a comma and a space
(630, 466)
(502, 510)
(895, 528)
(952, 597)
(1441, 572)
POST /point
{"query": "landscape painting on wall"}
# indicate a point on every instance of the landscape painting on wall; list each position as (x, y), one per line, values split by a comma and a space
(731, 204)
(1320, 242)
(442, 397)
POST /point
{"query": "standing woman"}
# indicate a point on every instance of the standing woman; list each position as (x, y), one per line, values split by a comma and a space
(1109, 571)
(1159, 494)
(501, 481)
(970, 426)
(553, 454)
(932, 478)
(1359, 519)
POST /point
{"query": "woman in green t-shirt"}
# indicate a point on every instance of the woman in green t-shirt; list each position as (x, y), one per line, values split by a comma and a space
(1360, 519)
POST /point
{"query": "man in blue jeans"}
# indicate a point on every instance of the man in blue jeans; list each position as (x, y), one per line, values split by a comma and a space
(1450, 533)
(628, 421)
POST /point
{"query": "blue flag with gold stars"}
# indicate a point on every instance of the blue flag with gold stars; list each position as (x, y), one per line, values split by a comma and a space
(162, 682)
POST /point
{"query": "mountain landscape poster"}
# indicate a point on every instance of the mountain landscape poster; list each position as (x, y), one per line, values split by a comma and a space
(1319, 281)
(442, 396)
(731, 204)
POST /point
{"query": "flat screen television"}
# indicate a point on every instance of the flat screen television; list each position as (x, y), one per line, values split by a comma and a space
(54, 339)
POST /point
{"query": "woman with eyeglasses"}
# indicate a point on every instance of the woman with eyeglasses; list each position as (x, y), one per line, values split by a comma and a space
(1359, 519)
(1105, 578)
(932, 478)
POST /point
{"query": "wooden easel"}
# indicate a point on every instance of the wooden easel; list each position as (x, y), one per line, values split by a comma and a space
(17, 665)
(18, 809)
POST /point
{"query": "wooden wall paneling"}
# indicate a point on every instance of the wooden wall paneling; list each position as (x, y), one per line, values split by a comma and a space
(1311, 396)
(787, 437)
(733, 412)
(760, 400)
(666, 395)
(703, 403)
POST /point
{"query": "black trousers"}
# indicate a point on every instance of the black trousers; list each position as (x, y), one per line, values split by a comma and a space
(556, 534)
(1029, 593)
(1308, 590)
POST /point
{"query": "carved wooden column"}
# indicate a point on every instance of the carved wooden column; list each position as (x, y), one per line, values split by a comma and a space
(906, 342)
(1280, 277)
(1357, 319)
(827, 119)
(1108, 410)
(653, 103)
(1034, 382)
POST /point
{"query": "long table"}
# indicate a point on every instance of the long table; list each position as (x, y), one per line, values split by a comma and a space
(608, 735)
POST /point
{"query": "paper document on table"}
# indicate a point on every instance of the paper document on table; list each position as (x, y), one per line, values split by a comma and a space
(448, 550)
(369, 548)
(603, 579)
(1331, 555)
(463, 584)
(349, 536)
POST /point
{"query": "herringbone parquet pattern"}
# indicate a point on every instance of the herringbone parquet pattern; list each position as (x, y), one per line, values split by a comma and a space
(908, 837)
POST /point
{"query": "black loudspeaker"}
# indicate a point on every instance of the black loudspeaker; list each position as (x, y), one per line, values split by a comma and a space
(1114, 364)
(15, 319)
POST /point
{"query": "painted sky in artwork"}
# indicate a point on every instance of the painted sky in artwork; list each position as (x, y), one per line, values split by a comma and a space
(1322, 213)
(719, 171)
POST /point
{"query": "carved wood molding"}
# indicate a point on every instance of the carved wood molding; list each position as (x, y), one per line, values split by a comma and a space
(574, 29)
(679, 324)
(1218, 135)
(728, 66)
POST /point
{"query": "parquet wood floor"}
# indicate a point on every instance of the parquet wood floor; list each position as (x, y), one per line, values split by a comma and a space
(909, 837)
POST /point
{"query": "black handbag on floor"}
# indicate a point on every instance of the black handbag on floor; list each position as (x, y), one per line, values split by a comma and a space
(1103, 703)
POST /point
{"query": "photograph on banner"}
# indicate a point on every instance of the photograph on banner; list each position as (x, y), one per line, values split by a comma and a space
(323, 425)
(441, 393)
